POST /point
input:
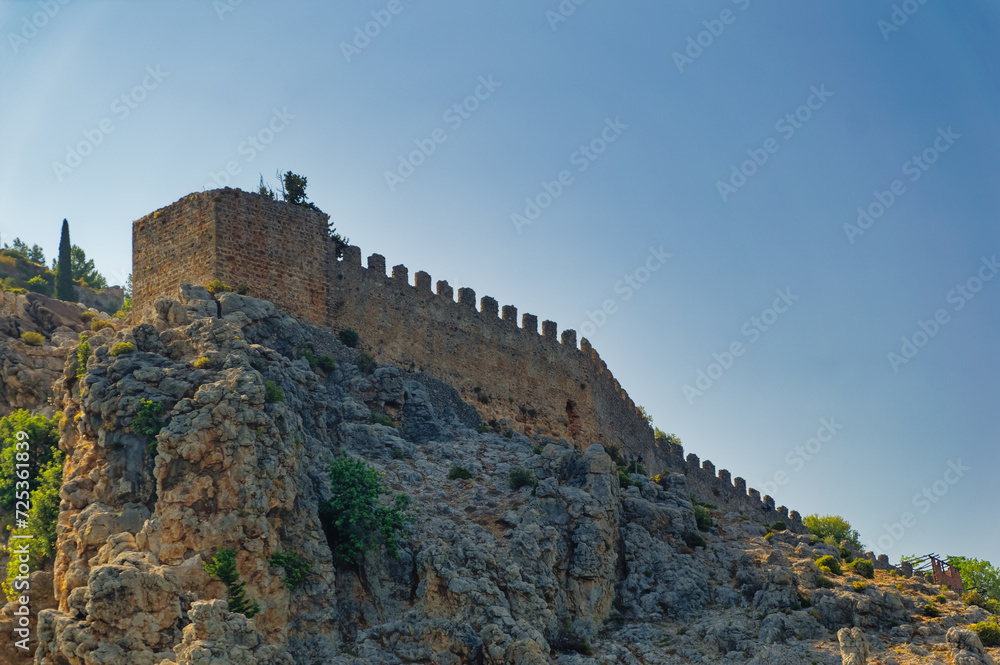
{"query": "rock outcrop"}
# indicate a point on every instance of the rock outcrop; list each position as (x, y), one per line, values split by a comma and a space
(28, 374)
(575, 565)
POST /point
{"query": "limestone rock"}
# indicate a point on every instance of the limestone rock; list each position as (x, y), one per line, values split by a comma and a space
(967, 648)
(853, 646)
(217, 636)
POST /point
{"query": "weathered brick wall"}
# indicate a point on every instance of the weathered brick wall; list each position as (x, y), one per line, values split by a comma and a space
(276, 250)
(539, 382)
(721, 489)
(171, 246)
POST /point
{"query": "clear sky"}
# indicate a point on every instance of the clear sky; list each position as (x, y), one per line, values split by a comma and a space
(617, 136)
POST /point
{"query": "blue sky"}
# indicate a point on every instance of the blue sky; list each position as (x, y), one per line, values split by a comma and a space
(202, 81)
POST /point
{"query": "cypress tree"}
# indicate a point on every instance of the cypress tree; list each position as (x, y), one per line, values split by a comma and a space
(64, 280)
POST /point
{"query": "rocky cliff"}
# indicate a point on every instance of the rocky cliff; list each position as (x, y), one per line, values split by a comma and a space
(574, 567)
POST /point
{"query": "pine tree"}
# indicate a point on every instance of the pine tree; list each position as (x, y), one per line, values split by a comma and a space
(64, 280)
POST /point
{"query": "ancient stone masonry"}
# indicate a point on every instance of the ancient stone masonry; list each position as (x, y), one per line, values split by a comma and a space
(539, 383)
(279, 251)
(726, 492)
(546, 383)
(536, 382)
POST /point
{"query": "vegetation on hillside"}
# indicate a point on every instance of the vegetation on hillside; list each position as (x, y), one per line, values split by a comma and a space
(353, 514)
(23, 269)
(223, 566)
(30, 478)
(833, 529)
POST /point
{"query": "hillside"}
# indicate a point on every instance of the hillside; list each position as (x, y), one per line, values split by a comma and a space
(583, 563)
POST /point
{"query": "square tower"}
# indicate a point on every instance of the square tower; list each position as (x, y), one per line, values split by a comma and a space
(277, 250)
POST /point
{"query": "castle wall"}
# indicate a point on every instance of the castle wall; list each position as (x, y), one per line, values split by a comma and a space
(171, 246)
(278, 251)
(539, 382)
(724, 491)
(536, 381)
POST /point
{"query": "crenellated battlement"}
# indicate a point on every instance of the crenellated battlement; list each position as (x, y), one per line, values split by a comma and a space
(534, 379)
(548, 382)
(728, 493)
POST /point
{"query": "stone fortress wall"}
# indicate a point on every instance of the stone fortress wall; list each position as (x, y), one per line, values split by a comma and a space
(543, 383)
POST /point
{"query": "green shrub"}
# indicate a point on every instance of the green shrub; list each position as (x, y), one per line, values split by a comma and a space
(862, 567)
(930, 610)
(310, 357)
(43, 439)
(940, 598)
(122, 349)
(537, 450)
(779, 526)
(147, 418)
(366, 363)
(32, 338)
(988, 632)
(382, 419)
(99, 324)
(624, 480)
(43, 515)
(769, 536)
(692, 539)
(40, 285)
(459, 473)
(519, 478)
(273, 393)
(348, 338)
(973, 598)
(992, 605)
(223, 566)
(834, 527)
(243, 289)
(87, 316)
(823, 582)
(296, 567)
(702, 518)
(204, 363)
(327, 363)
(82, 355)
(483, 428)
(859, 586)
(354, 513)
(830, 563)
(218, 286)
